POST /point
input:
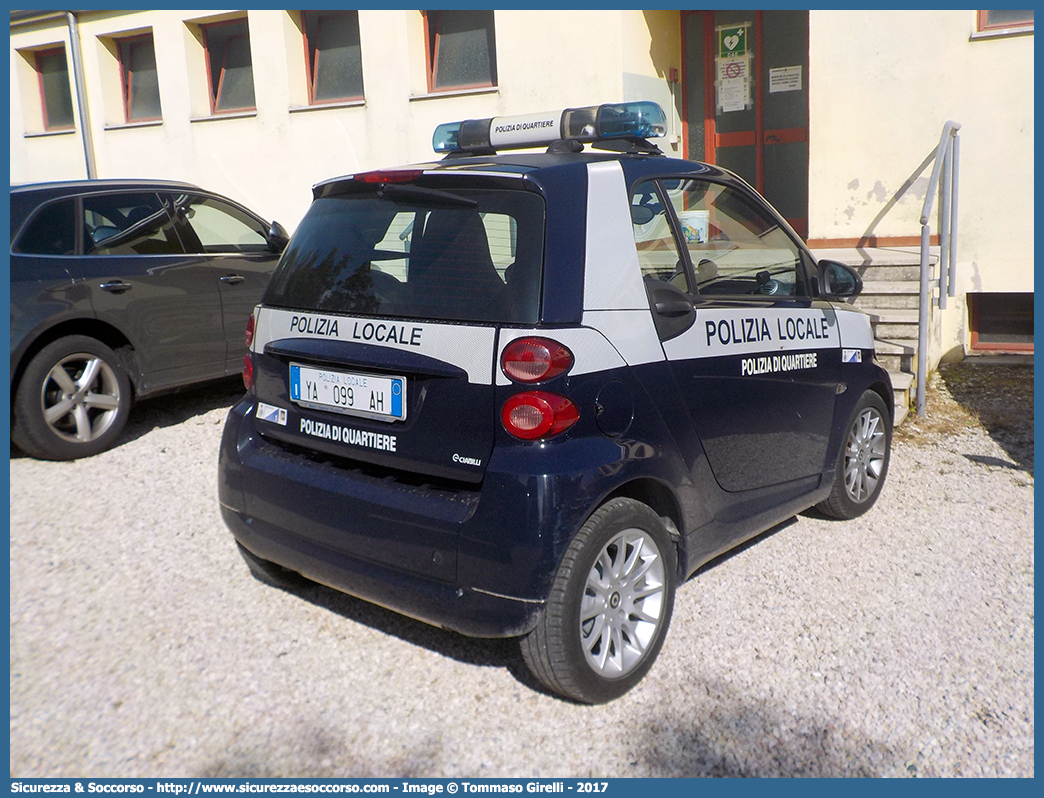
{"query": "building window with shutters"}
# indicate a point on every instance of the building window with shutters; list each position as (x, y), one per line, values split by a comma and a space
(229, 69)
(139, 79)
(462, 50)
(989, 24)
(334, 56)
(55, 94)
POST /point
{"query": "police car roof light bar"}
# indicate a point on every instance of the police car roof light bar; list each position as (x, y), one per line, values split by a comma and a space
(634, 120)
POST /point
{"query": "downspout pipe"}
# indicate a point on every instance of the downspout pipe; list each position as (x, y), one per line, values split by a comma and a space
(81, 95)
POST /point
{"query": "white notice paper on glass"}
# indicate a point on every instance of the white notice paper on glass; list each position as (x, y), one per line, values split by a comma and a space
(732, 95)
(785, 79)
(733, 84)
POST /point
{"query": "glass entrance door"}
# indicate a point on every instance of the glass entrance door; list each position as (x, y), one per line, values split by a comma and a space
(746, 101)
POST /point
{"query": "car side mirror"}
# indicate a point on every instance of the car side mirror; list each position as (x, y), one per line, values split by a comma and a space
(278, 238)
(642, 215)
(838, 280)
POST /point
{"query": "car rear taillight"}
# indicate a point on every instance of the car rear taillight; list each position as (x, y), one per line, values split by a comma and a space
(535, 359)
(538, 414)
(248, 371)
(250, 331)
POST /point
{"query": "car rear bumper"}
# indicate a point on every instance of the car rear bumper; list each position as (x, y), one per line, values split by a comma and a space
(389, 542)
(468, 611)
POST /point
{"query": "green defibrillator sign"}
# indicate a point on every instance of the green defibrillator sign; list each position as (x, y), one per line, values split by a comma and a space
(732, 42)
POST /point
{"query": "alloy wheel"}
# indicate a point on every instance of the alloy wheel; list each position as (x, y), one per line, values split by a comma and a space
(622, 605)
(865, 455)
(80, 397)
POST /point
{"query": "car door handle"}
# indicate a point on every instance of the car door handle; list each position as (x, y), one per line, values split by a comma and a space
(673, 307)
(115, 286)
(232, 279)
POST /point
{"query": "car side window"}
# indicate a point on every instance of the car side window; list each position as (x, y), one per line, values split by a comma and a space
(736, 248)
(128, 224)
(658, 254)
(51, 232)
(213, 227)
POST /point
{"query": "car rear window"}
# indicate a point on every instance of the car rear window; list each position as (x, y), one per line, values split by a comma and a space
(464, 256)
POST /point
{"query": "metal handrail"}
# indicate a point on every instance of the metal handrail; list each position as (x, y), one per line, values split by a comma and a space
(947, 164)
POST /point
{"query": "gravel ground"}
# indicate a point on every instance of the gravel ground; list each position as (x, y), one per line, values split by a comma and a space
(899, 644)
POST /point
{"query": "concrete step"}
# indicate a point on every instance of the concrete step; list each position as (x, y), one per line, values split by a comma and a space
(901, 412)
(906, 346)
(892, 331)
(898, 355)
(891, 294)
(893, 315)
(898, 264)
(908, 273)
(904, 389)
(874, 287)
(867, 301)
(877, 256)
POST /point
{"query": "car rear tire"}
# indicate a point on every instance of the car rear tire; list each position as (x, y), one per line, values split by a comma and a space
(862, 464)
(610, 606)
(269, 572)
(72, 400)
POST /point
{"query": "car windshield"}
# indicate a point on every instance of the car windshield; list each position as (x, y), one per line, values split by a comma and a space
(469, 256)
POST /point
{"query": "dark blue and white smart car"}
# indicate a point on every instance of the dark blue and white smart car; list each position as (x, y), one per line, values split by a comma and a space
(528, 394)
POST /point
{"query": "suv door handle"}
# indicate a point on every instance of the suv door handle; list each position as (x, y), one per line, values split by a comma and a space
(115, 286)
(232, 279)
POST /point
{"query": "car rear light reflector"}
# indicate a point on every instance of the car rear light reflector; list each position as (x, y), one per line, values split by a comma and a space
(537, 414)
(535, 359)
(250, 331)
(248, 371)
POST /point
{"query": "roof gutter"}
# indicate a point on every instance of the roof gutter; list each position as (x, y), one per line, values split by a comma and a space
(29, 17)
(81, 94)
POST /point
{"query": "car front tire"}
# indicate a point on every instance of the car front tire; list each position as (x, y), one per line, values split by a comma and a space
(610, 606)
(862, 464)
(72, 400)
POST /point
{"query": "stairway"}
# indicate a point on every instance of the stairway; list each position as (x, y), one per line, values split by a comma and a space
(891, 288)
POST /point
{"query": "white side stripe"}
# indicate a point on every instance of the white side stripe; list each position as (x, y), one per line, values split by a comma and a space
(612, 276)
(855, 328)
(720, 332)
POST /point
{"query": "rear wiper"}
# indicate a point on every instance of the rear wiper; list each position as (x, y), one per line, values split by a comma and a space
(400, 193)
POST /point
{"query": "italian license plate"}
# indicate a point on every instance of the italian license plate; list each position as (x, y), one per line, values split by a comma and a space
(349, 392)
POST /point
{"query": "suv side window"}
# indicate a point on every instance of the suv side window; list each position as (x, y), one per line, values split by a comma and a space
(658, 253)
(736, 248)
(211, 226)
(51, 232)
(128, 224)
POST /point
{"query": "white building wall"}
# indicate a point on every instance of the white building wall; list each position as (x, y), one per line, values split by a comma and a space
(269, 159)
(882, 85)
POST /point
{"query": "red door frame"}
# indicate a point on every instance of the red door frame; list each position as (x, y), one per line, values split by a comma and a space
(758, 138)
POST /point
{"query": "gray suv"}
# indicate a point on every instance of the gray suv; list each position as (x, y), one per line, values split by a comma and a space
(122, 289)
